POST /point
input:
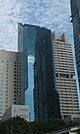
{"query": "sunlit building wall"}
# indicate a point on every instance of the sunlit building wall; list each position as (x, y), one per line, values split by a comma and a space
(17, 110)
(64, 69)
(11, 91)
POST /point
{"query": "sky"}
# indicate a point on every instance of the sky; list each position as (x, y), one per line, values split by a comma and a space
(52, 14)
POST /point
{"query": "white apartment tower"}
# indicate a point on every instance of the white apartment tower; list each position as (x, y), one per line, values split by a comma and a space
(64, 71)
(11, 91)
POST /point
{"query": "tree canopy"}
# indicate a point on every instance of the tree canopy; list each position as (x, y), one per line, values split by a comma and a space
(17, 125)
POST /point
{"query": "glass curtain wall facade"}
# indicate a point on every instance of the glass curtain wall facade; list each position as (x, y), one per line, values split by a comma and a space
(29, 92)
(75, 10)
(36, 41)
(46, 101)
(26, 48)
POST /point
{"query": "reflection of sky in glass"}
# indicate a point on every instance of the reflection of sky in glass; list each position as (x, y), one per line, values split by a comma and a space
(53, 14)
(29, 92)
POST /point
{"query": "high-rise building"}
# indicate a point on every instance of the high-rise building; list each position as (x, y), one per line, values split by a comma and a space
(26, 48)
(36, 42)
(64, 70)
(11, 91)
(46, 103)
(75, 9)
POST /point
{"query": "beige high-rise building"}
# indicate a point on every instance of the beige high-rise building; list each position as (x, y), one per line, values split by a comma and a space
(64, 71)
(11, 91)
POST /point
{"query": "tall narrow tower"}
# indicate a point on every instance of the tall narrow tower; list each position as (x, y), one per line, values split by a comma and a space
(46, 103)
(36, 41)
(75, 10)
(64, 69)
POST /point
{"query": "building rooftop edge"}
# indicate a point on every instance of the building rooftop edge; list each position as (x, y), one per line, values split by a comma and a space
(62, 37)
(3, 50)
(36, 26)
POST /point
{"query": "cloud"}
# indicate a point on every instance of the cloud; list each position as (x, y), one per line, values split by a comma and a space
(53, 14)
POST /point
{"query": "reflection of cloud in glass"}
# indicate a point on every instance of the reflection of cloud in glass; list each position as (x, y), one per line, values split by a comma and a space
(53, 14)
(29, 92)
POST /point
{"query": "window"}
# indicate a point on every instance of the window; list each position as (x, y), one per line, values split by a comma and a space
(14, 71)
(56, 74)
(64, 75)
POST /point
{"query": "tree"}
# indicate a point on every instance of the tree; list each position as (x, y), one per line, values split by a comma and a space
(20, 126)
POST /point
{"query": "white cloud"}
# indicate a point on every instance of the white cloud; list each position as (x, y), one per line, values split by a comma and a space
(53, 14)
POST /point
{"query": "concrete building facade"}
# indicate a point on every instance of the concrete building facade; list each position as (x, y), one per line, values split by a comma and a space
(64, 71)
(11, 91)
(16, 110)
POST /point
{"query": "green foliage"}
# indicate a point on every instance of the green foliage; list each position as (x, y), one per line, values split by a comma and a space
(20, 126)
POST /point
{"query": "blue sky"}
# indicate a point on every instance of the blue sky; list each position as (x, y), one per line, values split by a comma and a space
(53, 14)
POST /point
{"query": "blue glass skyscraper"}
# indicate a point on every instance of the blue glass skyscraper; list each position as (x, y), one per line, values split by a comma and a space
(34, 41)
(75, 10)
